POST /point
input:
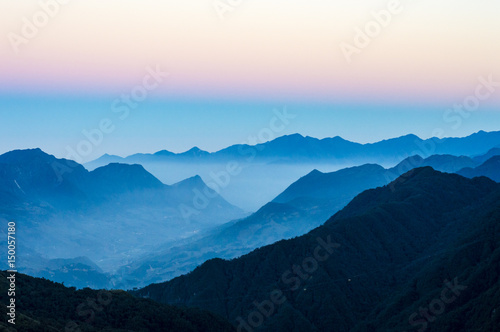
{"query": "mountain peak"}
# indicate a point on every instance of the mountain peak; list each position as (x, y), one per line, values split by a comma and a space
(405, 138)
(109, 156)
(293, 137)
(195, 151)
(164, 153)
(192, 182)
(296, 135)
(492, 160)
(195, 178)
(124, 177)
(21, 156)
(315, 172)
(38, 159)
(415, 160)
(412, 136)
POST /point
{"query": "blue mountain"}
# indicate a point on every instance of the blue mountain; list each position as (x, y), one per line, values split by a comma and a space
(379, 264)
(110, 215)
(297, 148)
(490, 168)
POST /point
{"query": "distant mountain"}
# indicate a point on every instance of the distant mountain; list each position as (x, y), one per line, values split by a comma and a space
(369, 268)
(304, 205)
(490, 168)
(448, 163)
(111, 215)
(33, 176)
(42, 305)
(119, 178)
(297, 148)
(80, 272)
(85, 207)
(340, 186)
(194, 153)
(108, 159)
(479, 159)
(29, 175)
(266, 169)
(269, 224)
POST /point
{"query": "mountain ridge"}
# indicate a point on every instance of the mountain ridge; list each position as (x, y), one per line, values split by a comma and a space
(97, 310)
(468, 143)
(301, 207)
(381, 235)
(111, 214)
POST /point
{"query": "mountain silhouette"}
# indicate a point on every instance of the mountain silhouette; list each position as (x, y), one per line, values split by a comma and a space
(266, 169)
(386, 252)
(110, 215)
(297, 148)
(117, 178)
(93, 310)
(304, 205)
(490, 168)
(478, 160)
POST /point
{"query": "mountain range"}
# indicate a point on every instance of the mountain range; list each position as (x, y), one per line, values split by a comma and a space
(265, 170)
(490, 168)
(297, 148)
(110, 215)
(72, 212)
(398, 239)
(418, 254)
(304, 205)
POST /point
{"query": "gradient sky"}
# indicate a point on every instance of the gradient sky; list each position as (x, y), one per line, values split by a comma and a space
(227, 75)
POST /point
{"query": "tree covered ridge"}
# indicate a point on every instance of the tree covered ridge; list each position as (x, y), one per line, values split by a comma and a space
(399, 246)
(43, 305)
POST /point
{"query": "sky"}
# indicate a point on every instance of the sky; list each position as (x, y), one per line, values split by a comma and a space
(177, 74)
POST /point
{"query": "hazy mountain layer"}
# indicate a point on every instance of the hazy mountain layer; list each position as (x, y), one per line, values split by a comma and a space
(110, 215)
(250, 176)
(490, 168)
(304, 205)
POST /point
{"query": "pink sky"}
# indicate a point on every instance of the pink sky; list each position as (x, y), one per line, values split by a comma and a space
(432, 51)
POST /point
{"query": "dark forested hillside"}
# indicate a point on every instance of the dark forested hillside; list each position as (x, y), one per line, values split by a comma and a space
(46, 306)
(375, 263)
(303, 206)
